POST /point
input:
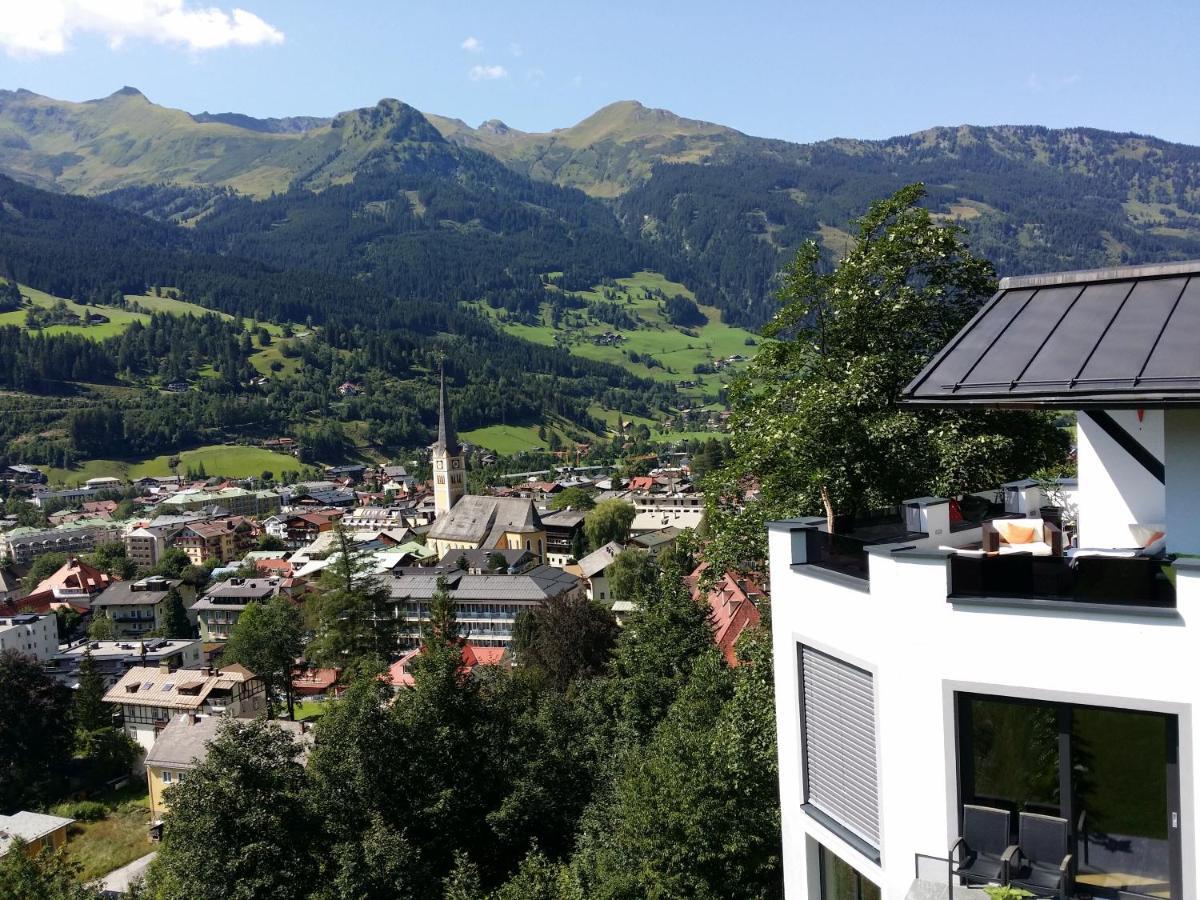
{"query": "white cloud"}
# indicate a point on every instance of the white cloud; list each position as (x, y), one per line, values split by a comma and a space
(487, 73)
(472, 45)
(30, 27)
(535, 75)
(516, 49)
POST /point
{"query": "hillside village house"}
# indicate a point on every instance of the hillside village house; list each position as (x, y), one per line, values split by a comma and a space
(487, 605)
(137, 607)
(149, 696)
(23, 545)
(1000, 681)
(222, 604)
(146, 544)
(304, 528)
(680, 509)
(33, 636)
(562, 529)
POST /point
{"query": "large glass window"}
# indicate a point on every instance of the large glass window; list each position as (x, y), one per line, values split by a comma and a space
(1110, 773)
(841, 881)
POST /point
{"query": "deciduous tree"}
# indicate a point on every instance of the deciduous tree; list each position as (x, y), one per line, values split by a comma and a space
(816, 419)
(608, 521)
(36, 732)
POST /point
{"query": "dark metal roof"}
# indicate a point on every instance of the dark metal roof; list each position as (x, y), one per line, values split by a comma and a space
(1075, 340)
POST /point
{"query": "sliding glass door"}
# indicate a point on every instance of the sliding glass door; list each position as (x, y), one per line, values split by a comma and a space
(1111, 774)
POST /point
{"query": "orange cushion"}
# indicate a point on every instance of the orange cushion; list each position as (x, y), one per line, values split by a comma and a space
(1016, 534)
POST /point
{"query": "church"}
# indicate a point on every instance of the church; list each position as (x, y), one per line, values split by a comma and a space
(468, 522)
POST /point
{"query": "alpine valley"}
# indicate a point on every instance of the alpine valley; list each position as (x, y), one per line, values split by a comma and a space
(181, 280)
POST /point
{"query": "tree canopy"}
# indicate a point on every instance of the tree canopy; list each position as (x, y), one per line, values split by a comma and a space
(816, 418)
(608, 521)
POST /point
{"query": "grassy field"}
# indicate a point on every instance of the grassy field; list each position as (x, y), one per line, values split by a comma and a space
(505, 439)
(119, 319)
(117, 839)
(678, 351)
(232, 461)
(309, 710)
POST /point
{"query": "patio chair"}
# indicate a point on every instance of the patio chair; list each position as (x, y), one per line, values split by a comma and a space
(1042, 862)
(980, 853)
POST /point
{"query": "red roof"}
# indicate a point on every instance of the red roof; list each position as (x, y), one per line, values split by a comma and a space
(279, 567)
(314, 681)
(641, 483)
(732, 604)
(74, 581)
(472, 656)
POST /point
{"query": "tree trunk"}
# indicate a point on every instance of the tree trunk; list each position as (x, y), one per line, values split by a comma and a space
(828, 504)
(291, 699)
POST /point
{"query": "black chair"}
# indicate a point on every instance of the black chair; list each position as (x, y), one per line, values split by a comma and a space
(979, 855)
(1041, 862)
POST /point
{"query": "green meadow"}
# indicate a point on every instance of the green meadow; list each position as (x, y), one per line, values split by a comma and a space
(231, 461)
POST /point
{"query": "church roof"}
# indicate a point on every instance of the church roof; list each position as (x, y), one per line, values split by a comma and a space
(482, 521)
(447, 440)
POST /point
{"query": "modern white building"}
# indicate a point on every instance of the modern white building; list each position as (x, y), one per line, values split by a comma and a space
(941, 665)
(30, 635)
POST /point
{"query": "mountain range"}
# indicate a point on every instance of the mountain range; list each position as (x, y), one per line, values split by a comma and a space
(709, 206)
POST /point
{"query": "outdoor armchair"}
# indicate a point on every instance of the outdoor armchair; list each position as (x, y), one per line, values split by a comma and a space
(979, 854)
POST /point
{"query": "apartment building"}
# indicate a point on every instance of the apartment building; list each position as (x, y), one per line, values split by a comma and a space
(33, 636)
(137, 607)
(222, 604)
(1034, 672)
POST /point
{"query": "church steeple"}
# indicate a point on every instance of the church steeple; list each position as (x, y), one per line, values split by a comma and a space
(447, 440)
(449, 477)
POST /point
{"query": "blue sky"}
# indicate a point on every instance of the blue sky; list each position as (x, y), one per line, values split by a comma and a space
(795, 70)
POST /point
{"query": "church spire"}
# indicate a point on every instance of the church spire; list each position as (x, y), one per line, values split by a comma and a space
(447, 440)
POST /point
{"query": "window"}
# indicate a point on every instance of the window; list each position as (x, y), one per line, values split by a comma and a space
(166, 777)
(838, 744)
(841, 881)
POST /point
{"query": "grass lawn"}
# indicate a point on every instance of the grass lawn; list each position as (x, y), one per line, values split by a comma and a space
(672, 436)
(505, 439)
(311, 709)
(231, 461)
(262, 359)
(117, 839)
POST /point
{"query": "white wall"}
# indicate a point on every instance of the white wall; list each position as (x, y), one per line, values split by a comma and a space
(921, 649)
(1117, 490)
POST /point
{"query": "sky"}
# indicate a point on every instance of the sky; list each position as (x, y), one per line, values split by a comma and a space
(798, 70)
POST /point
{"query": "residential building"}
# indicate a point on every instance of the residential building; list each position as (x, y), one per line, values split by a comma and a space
(146, 544)
(304, 528)
(222, 539)
(73, 584)
(22, 474)
(592, 570)
(38, 830)
(655, 542)
(563, 529)
(341, 498)
(1047, 678)
(149, 696)
(183, 744)
(310, 682)
(353, 472)
(24, 545)
(366, 518)
(113, 659)
(137, 607)
(222, 604)
(655, 511)
(486, 605)
(33, 636)
(238, 501)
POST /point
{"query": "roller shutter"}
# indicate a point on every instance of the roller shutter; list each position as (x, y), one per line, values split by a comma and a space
(839, 742)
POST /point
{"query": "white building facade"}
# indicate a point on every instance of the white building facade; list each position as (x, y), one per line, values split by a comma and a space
(930, 671)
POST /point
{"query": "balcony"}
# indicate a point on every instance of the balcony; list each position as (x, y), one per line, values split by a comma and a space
(1137, 582)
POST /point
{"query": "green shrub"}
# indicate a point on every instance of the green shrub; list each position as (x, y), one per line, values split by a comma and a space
(82, 810)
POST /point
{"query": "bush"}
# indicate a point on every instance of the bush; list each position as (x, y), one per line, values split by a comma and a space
(82, 810)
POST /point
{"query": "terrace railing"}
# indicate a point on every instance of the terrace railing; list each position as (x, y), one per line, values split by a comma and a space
(837, 553)
(1138, 581)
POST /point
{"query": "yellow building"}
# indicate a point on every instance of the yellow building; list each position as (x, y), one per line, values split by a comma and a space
(37, 830)
(183, 744)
